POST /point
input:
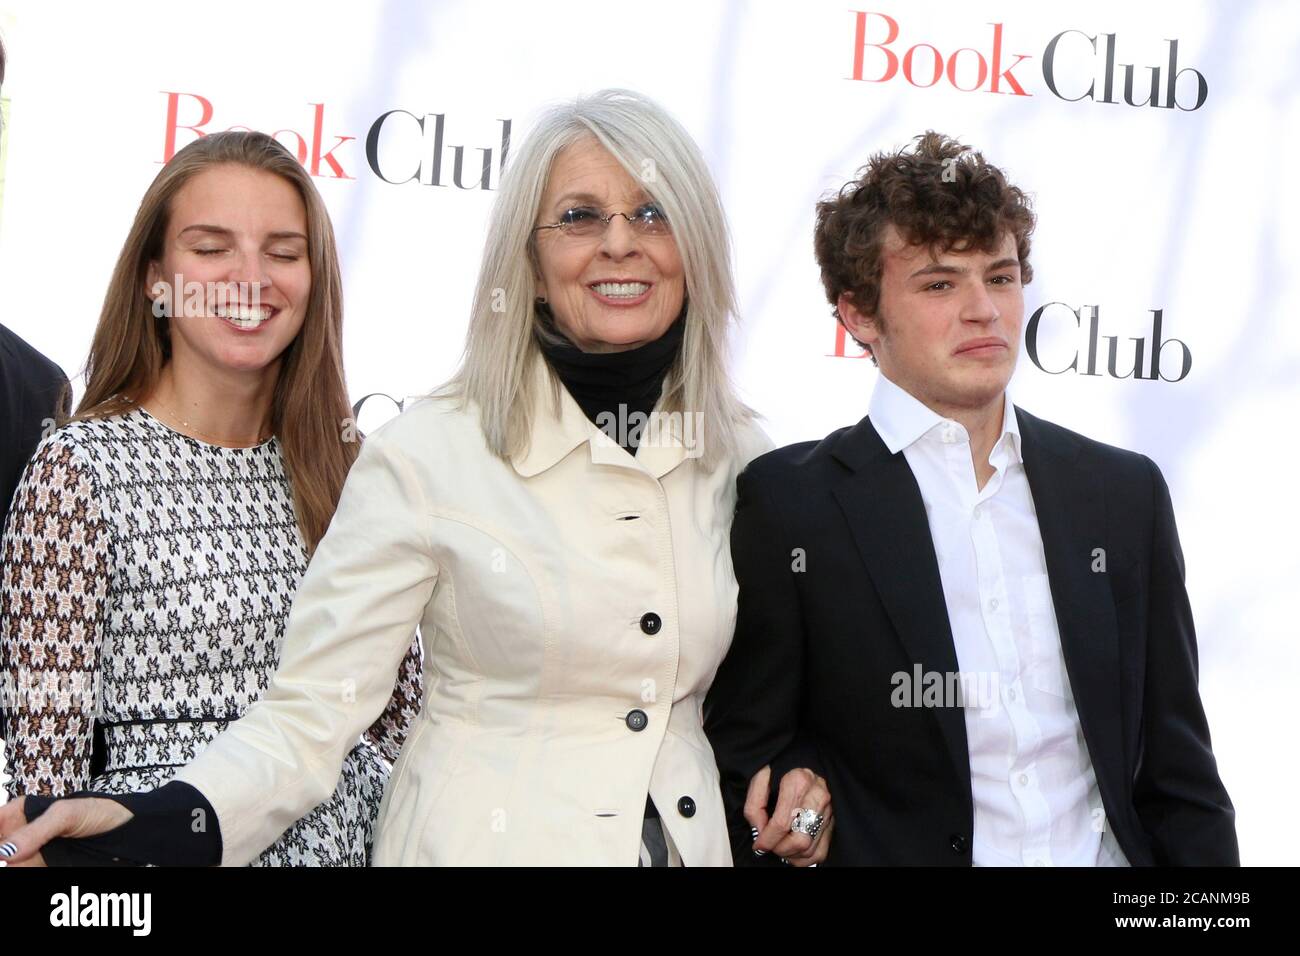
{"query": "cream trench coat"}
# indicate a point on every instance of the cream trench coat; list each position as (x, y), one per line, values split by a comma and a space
(531, 582)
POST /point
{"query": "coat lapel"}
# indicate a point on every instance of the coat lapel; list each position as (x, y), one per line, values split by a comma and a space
(886, 516)
(1071, 510)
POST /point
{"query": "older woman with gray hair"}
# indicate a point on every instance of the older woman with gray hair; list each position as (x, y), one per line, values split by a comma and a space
(554, 520)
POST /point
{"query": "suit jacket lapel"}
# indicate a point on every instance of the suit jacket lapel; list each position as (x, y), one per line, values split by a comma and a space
(886, 516)
(1071, 509)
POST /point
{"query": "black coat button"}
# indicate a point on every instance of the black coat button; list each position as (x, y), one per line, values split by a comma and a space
(958, 842)
(636, 720)
(686, 807)
(651, 622)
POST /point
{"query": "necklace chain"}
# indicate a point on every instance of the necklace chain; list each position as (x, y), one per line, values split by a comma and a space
(216, 441)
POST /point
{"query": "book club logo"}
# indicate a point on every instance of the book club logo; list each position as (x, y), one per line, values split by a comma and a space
(1061, 338)
(883, 53)
(399, 147)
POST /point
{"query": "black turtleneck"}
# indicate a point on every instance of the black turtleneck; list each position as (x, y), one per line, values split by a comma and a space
(602, 381)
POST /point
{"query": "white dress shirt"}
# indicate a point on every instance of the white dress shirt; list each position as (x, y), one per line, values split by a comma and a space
(1035, 792)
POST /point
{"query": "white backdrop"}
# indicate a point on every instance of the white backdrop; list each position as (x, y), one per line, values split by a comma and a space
(1141, 208)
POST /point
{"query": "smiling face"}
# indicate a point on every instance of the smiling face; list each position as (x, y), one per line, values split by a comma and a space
(237, 238)
(947, 329)
(612, 292)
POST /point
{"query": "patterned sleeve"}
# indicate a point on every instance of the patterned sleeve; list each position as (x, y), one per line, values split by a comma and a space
(388, 733)
(54, 567)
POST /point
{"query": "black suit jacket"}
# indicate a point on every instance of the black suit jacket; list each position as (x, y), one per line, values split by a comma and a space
(808, 678)
(32, 389)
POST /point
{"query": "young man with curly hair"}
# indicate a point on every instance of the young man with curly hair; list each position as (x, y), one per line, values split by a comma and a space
(969, 623)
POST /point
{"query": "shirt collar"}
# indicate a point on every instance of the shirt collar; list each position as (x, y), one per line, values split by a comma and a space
(1007, 447)
(1010, 430)
(901, 420)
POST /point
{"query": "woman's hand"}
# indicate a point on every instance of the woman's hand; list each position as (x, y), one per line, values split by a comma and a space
(21, 842)
(800, 789)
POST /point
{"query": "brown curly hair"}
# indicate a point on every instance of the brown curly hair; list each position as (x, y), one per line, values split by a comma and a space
(939, 193)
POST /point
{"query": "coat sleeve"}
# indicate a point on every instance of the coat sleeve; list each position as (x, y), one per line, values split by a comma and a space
(1177, 793)
(752, 712)
(350, 627)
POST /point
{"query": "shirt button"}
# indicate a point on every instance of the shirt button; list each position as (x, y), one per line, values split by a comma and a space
(958, 843)
(993, 604)
(651, 622)
(686, 807)
(1023, 778)
(636, 720)
(979, 513)
(1011, 693)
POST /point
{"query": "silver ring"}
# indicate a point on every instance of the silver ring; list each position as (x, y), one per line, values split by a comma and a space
(806, 821)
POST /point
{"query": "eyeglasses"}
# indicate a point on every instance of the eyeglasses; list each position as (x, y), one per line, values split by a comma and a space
(584, 222)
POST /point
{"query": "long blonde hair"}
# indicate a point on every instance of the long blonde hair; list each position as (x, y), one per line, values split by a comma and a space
(310, 404)
(504, 325)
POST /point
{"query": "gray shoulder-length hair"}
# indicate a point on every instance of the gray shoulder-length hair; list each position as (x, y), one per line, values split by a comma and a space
(504, 328)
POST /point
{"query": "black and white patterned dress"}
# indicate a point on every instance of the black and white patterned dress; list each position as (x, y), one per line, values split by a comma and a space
(146, 581)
